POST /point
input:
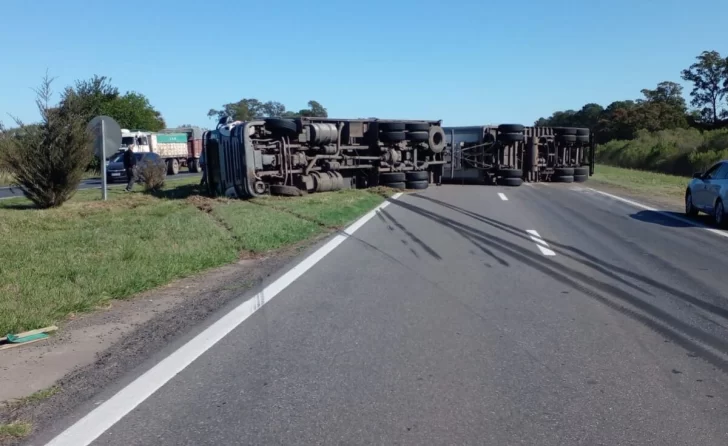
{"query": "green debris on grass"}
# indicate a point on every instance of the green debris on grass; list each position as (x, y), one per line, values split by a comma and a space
(76, 258)
(640, 182)
(15, 430)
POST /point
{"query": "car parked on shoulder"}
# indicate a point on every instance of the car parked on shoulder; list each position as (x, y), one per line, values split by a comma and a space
(708, 193)
(115, 168)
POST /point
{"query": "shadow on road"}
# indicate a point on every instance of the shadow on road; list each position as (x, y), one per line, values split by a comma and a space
(688, 336)
(671, 219)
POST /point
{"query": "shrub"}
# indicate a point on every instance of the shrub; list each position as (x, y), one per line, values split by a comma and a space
(152, 174)
(48, 159)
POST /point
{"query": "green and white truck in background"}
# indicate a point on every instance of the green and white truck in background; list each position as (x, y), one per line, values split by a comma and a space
(179, 147)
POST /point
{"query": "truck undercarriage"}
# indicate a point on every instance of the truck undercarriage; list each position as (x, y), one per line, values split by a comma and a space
(296, 156)
(509, 154)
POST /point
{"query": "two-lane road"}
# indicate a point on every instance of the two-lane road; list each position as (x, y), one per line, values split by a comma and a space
(91, 183)
(540, 315)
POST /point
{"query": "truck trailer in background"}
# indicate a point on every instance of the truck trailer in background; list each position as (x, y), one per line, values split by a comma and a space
(179, 147)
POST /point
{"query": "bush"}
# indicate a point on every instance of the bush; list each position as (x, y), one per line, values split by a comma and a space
(152, 174)
(48, 159)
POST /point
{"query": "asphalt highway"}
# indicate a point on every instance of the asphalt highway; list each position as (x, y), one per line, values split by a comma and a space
(538, 315)
(91, 183)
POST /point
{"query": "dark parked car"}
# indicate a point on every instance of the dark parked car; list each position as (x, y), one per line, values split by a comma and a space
(708, 192)
(115, 169)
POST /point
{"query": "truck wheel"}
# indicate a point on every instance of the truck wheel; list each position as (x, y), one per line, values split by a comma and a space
(392, 177)
(581, 171)
(417, 127)
(580, 178)
(418, 136)
(510, 173)
(436, 139)
(392, 136)
(582, 132)
(276, 125)
(563, 171)
(399, 185)
(563, 179)
(172, 167)
(511, 128)
(582, 138)
(194, 165)
(565, 131)
(513, 182)
(418, 185)
(417, 175)
(510, 137)
(392, 126)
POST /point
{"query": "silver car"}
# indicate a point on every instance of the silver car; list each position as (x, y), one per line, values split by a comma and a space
(708, 192)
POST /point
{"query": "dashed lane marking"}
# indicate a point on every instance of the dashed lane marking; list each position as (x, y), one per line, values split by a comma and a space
(502, 196)
(540, 243)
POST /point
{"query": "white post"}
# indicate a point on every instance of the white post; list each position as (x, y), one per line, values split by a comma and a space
(103, 161)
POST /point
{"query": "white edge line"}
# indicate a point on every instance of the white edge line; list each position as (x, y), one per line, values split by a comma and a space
(502, 196)
(666, 214)
(103, 417)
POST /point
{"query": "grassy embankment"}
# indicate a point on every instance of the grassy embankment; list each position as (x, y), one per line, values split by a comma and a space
(75, 258)
(641, 183)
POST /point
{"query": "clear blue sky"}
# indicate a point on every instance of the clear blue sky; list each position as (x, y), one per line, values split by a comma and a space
(464, 62)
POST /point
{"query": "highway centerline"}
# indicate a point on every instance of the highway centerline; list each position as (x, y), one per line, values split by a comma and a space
(502, 196)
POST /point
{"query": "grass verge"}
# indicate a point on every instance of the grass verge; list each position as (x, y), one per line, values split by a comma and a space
(15, 431)
(643, 183)
(76, 258)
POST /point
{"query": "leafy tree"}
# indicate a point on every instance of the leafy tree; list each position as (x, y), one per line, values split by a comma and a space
(709, 76)
(97, 96)
(248, 109)
(48, 159)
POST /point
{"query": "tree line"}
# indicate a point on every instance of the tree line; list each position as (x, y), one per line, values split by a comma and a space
(248, 109)
(660, 131)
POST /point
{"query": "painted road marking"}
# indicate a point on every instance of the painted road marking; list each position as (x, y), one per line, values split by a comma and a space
(99, 420)
(502, 196)
(541, 243)
(666, 214)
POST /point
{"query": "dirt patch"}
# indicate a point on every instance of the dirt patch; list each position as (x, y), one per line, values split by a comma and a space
(91, 351)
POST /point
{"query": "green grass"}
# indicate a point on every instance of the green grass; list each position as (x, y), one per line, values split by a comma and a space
(15, 430)
(641, 182)
(78, 257)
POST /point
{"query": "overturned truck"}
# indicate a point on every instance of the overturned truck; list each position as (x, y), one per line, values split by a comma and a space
(296, 156)
(509, 154)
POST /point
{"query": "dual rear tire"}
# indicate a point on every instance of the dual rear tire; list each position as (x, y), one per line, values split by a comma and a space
(416, 180)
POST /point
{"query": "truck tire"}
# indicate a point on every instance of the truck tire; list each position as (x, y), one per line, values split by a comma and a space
(580, 178)
(398, 185)
(566, 138)
(512, 182)
(392, 126)
(563, 171)
(392, 177)
(417, 185)
(510, 173)
(511, 128)
(582, 132)
(417, 127)
(392, 136)
(277, 125)
(582, 138)
(565, 130)
(436, 139)
(510, 137)
(417, 175)
(418, 136)
(563, 179)
(193, 165)
(581, 171)
(172, 166)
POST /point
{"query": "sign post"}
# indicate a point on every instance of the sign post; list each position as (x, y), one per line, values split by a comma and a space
(107, 142)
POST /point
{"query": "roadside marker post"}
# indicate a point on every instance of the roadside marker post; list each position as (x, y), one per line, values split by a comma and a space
(107, 141)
